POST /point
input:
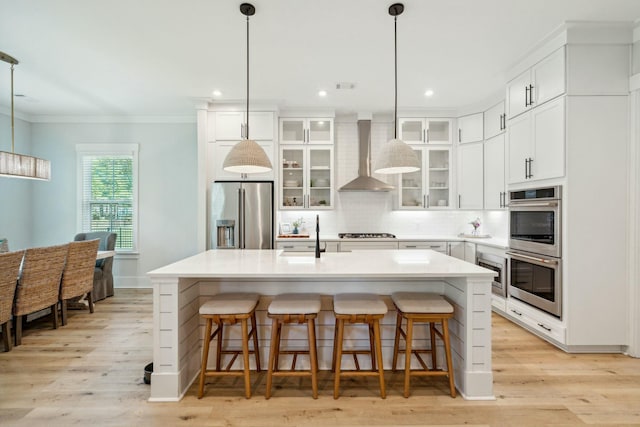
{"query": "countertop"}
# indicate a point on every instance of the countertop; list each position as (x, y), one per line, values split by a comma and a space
(277, 264)
(488, 241)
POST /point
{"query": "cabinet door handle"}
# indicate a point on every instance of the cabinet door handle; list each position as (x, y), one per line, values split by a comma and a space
(459, 135)
(411, 246)
(501, 199)
(428, 202)
(530, 94)
(544, 327)
(530, 174)
(426, 132)
(516, 312)
(459, 201)
(526, 96)
(526, 168)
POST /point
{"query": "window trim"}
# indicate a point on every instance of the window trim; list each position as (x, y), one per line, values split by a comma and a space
(115, 149)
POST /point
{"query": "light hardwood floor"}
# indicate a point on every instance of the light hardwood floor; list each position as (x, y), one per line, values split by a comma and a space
(90, 373)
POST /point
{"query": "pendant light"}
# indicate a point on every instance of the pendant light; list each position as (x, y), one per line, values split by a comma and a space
(247, 156)
(396, 156)
(14, 165)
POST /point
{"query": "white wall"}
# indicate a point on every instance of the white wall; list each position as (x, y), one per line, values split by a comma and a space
(167, 190)
(15, 194)
(370, 212)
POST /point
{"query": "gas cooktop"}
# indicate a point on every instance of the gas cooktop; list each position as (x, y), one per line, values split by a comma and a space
(366, 236)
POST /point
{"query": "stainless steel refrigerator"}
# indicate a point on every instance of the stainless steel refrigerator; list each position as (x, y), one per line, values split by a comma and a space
(240, 215)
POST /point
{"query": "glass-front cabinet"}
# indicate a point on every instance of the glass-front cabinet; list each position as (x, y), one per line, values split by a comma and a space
(296, 130)
(424, 131)
(306, 177)
(430, 187)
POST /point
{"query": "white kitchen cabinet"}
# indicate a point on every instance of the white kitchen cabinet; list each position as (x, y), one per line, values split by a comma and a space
(470, 252)
(470, 128)
(358, 246)
(495, 121)
(301, 130)
(306, 246)
(231, 125)
(306, 177)
(429, 187)
(462, 250)
(433, 245)
(537, 85)
(470, 179)
(456, 249)
(540, 323)
(495, 191)
(222, 148)
(424, 130)
(536, 143)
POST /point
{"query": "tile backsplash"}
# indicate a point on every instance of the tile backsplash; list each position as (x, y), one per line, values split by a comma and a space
(373, 212)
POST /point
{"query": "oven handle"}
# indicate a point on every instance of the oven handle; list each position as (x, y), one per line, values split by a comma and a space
(531, 258)
(515, 204)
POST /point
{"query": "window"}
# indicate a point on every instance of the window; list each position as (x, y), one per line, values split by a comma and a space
(108, 191)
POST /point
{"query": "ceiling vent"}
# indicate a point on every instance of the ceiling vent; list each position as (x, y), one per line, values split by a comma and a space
(345, 86)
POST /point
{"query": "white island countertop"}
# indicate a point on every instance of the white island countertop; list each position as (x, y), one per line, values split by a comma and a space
(277, 264)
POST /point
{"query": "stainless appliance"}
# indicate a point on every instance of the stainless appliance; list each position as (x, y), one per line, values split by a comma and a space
(535, 249)
(499, 265)
(534, 220)
(536, 280)
(364, 180)
(241, 215)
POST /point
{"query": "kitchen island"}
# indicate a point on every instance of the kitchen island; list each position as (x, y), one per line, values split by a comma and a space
(180, 288)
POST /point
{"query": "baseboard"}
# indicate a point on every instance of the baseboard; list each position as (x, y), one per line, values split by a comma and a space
(132, 282)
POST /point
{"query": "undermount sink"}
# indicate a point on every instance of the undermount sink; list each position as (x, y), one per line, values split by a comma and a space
(298, 254)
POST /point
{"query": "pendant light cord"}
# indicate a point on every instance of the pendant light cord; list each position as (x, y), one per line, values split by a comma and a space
(12, 125)
(247, 125)
(395, 71)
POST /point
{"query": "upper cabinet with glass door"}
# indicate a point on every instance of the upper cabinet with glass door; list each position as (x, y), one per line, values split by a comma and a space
(424, 131)
(306, 178)
(297, 130)
(429, 187)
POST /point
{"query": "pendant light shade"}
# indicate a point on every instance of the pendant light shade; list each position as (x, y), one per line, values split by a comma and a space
(14, 165)
(396, 156)
(247, 156)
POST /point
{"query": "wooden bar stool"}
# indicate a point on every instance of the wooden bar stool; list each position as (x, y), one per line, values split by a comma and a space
(420, 307)
(230, 309)
(358, 308)
(299, 309)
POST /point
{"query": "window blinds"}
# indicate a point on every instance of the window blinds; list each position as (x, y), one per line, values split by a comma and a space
(108, 196)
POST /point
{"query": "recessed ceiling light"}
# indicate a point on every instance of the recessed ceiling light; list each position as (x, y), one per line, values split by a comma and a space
(429, 92)
(322, 93)
(216, 92)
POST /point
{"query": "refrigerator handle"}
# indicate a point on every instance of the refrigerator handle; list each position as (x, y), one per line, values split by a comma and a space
(241, 243)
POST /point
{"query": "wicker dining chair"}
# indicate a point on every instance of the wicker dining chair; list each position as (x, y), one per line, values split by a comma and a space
(39, 284)
(9, 270)
(77, 276)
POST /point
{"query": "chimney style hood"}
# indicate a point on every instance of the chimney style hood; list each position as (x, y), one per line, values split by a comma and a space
(364, 181)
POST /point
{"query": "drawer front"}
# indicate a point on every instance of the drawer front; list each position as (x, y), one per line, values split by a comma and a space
(436, 246)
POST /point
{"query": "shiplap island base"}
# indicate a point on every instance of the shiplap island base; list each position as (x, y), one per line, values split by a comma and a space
(180, 288)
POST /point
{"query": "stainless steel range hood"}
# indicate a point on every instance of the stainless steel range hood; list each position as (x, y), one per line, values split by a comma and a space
(364, 181)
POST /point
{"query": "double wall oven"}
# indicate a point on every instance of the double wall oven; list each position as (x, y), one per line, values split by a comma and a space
(535, 249)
